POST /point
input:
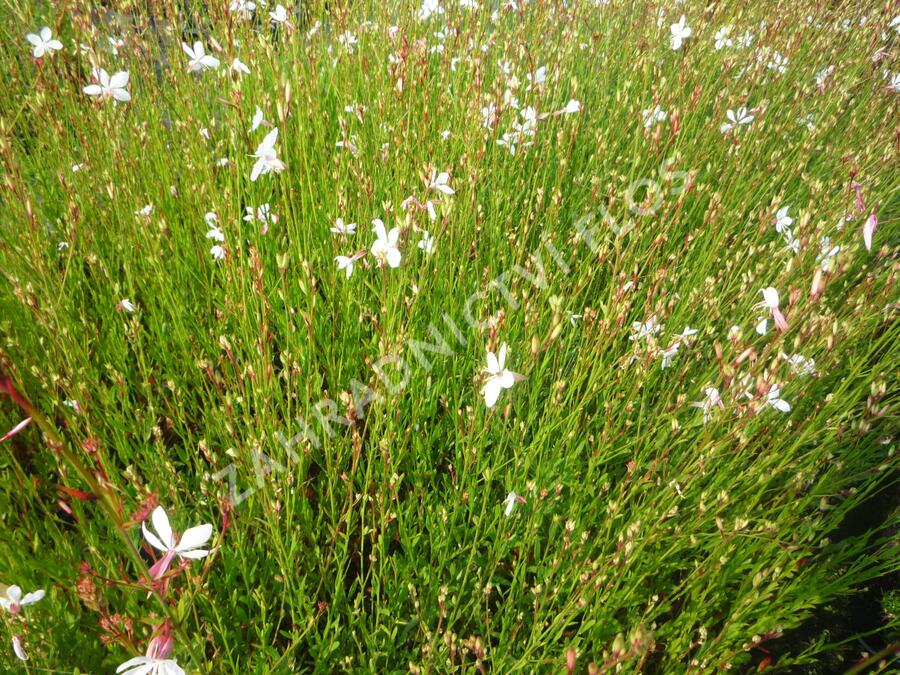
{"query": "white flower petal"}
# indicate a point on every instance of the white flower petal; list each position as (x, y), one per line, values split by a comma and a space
(161, 525)
(194, 537)
(33, 597)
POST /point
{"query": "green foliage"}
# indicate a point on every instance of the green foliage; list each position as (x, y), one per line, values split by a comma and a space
(648, 537)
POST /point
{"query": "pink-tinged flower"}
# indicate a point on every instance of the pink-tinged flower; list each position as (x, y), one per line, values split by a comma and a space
(198, 59)
(571, 656)
(771, 300)
(267, 157)
(384, 248)
(499, 377)
(817, 282)
(43, 43)
(869, 229)
(164, 540)
(14, 601)
(156, 661)
(109, 86)
(16, 429)
(860, 202)
(18, 648)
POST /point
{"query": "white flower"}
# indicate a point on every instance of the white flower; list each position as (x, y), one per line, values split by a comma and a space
(707, 404)
(384, 248)
(528, 126)
(279, 14)
(243, 7)
(800, 364)
(345, 263)
(680, 33)
(267, 157)
(869, 230)
(722, 39)
(145, 211)
(262, 213)
(488, 116)
(511, 500)
(114, 44)
(217, 252)
(745, 39)
(894, 84)
(823, 75)
(572, 107)
(427, 243)
(783, 221)
(214, 233)
(654, 116)
(644, 330)
(77, 167)
(109, 87)
(164, 540)
(669, 354)
(342, 228)
(509, 140)
(239, 67)
(499, 377)
(736, 118)
(150, 665)
(258, 119)
(43, 43)
(14, 601)
(347, 40)
(198, 59)
(537, 78)
(18, 649)
(127, 305)
(774, 400)
(429, 8)
(440, 182)
(827, 254)
(792, 242)
(778, 62)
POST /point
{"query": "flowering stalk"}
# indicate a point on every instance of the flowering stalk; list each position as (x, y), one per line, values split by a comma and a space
(104, 499)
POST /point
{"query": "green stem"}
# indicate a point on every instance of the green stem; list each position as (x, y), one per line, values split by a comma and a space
(104, 498)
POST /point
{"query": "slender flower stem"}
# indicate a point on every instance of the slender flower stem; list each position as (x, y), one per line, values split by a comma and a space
(104, 498)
